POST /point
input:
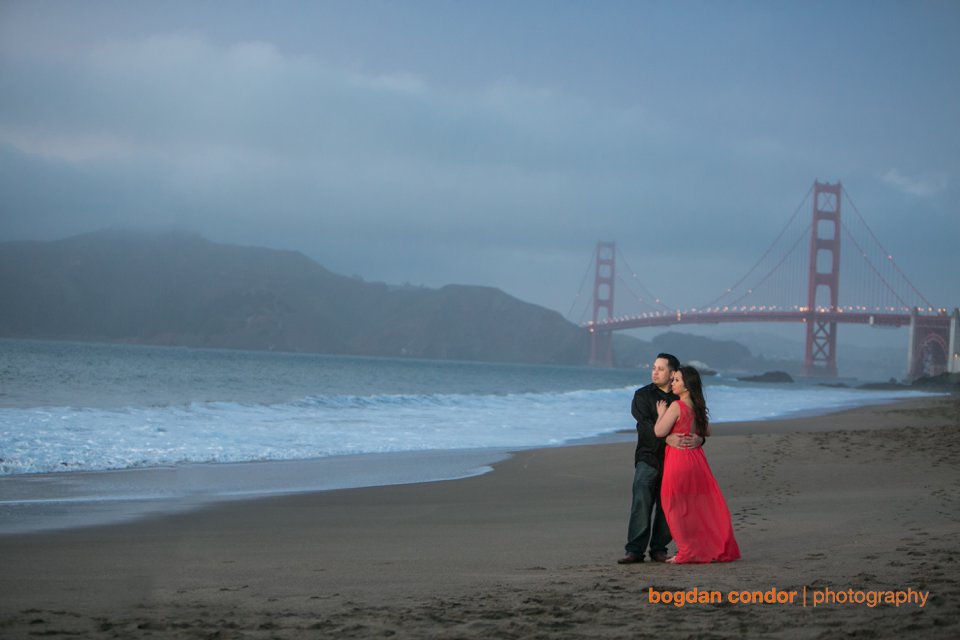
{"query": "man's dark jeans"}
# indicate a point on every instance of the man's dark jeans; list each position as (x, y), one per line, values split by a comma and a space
(646, 496)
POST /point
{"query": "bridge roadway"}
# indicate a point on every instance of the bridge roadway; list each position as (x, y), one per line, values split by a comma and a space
(716, 317)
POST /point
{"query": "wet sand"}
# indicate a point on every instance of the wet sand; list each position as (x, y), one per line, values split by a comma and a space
(856, 503)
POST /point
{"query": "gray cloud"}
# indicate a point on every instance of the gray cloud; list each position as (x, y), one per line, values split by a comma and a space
(398, 172)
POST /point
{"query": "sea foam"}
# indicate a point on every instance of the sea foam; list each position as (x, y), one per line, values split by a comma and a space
(50, 439)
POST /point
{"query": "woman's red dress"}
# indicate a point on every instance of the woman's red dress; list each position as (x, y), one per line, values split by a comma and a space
(696, 511)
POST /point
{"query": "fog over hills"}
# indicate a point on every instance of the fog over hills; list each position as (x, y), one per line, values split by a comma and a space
(180, 289)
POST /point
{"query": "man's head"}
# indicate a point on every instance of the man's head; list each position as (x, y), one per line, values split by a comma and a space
(662, 370)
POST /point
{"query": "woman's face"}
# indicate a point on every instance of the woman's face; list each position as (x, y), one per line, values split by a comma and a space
(676, 384)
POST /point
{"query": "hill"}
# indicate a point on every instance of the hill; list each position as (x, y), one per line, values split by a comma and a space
(179, 289)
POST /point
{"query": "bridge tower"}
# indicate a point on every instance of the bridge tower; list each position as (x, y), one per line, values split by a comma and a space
(953, 352)
(601, 342)
(933, 347)
(823, 282)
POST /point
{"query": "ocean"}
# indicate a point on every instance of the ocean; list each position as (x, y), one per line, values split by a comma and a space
(126, 430)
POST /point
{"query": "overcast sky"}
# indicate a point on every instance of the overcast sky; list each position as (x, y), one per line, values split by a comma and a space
(487, 142)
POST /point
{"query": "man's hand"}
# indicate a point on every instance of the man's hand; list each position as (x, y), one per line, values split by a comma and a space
(684, 441)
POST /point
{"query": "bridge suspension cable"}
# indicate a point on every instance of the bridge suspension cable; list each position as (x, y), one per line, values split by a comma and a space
(780, 280)
(640, 298)
(776, 267)
(799, 286)
(730, 290)
(887, 257)
(576, 298)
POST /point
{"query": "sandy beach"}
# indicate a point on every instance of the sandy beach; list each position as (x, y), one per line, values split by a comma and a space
(855, 514)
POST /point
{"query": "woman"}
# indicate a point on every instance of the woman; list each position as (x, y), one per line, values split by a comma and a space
(696, 511)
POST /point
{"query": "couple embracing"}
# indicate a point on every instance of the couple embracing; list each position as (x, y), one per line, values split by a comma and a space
(674, 492)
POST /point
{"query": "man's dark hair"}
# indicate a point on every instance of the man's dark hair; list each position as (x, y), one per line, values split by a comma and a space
(671, 359)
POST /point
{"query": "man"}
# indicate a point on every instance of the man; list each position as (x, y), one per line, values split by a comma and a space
(648, 525)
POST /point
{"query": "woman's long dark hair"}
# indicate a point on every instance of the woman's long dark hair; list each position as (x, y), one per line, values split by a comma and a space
(701, 415)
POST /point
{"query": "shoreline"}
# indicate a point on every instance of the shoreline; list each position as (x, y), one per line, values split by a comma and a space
(33, 503)
(530, 549)
(64, 500)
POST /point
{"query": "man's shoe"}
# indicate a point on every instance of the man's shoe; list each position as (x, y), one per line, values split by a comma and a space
(630, 558)
(658, 556)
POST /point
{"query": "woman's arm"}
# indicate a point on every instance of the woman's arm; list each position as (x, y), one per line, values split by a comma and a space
(667, 419)
(684, 441)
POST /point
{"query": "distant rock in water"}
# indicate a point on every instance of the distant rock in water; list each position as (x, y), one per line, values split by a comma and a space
(890, 385)
(940, 382)
(883, 386)
(769, 376)
(702, 368)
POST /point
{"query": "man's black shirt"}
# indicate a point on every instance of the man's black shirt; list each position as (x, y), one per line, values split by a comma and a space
(650, 448)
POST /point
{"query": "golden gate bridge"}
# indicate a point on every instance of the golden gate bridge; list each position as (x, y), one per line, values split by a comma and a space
(875, 291)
